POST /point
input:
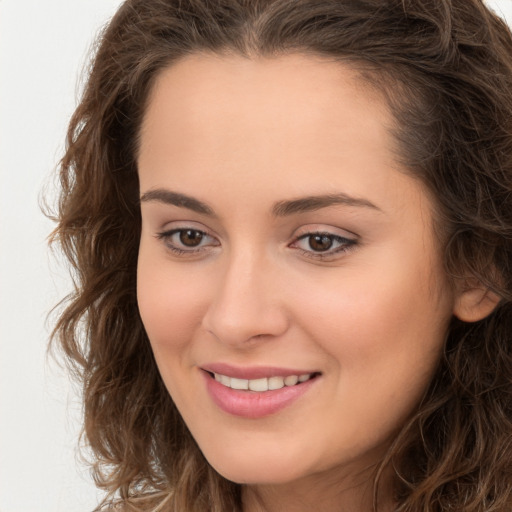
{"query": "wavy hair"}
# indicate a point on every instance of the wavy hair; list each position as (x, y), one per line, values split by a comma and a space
(445, 68)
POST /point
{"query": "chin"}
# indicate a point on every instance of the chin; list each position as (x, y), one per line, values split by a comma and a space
(267, 471)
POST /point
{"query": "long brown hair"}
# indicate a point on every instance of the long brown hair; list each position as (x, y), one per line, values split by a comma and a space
(445, 67)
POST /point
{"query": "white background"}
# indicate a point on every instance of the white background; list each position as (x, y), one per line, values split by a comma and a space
(43, 46)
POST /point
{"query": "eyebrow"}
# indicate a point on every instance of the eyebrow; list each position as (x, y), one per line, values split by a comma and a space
(280, 209)
(312, 203)
(176, 199)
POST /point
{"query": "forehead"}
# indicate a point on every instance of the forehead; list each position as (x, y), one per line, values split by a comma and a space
(227, 82)
(207, 107)
(211, 73)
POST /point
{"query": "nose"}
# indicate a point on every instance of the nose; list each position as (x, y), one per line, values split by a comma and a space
(246, 305)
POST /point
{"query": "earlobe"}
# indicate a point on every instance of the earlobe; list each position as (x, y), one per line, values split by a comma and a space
(475, 304)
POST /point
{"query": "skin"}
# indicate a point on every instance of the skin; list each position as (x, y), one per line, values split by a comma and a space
(242, 135)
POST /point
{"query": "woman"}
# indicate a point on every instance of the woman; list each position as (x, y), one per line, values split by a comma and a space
(290, 223)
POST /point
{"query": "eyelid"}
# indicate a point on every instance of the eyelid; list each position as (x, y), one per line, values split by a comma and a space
(165, 235)
(346, 241)
(311, 229)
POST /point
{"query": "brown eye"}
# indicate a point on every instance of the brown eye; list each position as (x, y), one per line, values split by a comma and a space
(185, 242)
(191, 237)
(320, 243)
(323, 245)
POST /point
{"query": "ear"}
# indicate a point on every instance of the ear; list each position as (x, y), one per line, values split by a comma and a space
(473, 304)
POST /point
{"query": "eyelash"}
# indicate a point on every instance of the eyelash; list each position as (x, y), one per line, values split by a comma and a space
(166, 237)
(345, 244)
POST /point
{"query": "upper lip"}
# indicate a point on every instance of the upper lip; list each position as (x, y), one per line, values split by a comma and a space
(253, 372)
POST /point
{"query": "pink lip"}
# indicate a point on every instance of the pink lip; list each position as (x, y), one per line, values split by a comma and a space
(250, 404)
(253, 372)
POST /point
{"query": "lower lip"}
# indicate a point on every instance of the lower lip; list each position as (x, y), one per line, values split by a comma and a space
(253, 404)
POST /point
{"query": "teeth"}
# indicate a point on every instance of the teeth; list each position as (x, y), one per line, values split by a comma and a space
(226, 381)
(276, 382)
(264, 384)
(258, 385)
(239, 383)
(291, 380)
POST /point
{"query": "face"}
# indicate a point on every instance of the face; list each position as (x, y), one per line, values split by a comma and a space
(288, 279)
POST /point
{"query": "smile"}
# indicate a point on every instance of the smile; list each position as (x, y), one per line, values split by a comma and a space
(262, 384)
(256, 392)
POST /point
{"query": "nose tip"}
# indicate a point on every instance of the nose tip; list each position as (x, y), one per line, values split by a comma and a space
(246, 307)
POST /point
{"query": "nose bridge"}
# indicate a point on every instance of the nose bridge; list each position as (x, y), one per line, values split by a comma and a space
(246, 302)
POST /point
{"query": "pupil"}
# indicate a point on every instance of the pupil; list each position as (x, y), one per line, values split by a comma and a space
(320, 242)
(190, 237)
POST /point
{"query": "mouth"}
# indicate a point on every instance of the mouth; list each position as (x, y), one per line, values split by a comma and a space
(262, 384)
(256, 392)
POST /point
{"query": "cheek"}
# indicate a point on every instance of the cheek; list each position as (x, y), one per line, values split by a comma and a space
(170, 303)
(384, 343)
(171, 307)
(384, 330)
